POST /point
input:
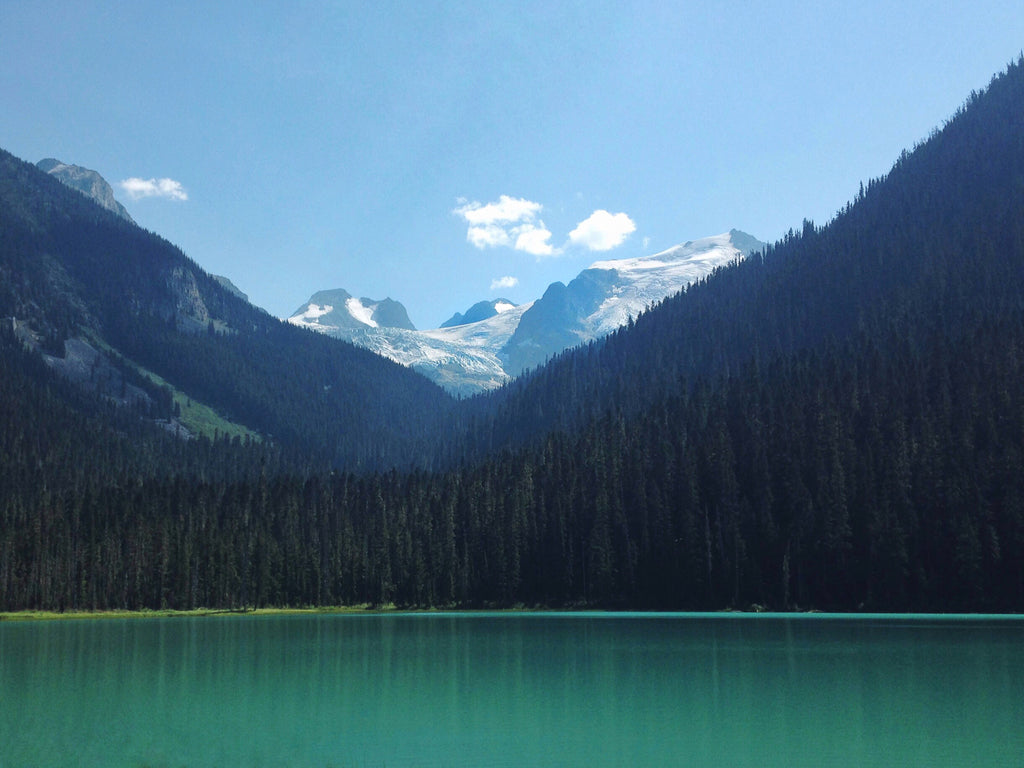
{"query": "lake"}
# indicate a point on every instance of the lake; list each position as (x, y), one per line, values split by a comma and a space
(513, 689)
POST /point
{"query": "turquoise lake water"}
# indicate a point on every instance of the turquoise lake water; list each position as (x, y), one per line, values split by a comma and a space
(426, 690)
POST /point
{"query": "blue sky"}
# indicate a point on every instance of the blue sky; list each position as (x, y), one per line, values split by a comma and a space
(442, 153)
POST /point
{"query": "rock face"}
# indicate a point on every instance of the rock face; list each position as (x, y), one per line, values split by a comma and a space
(558, 320)
(605, 296)
(89, 183)
(92, 369)
(230, 286)
(482, 310)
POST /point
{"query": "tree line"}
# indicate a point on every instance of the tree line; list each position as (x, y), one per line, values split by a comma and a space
(846, 479)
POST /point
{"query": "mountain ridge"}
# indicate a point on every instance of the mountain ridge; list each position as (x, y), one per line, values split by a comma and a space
(495, 341)
(88, 182)
(71, 270)
(336, 309)
(482, 310)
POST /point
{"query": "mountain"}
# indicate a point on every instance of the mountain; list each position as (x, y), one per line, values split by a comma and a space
(837, 422)
(336, 311)
(462, 359)
(231, 287)
(95, 187)
(612, 292)
(482, 310)
(89, 183)
(495, 340)
(126, 315)
(462, 364)
(916, 263)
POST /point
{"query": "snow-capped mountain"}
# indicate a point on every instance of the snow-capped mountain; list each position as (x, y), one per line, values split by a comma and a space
(463, 359)
(605, 296)
(495, 340)
(482, 310)
(338, 310)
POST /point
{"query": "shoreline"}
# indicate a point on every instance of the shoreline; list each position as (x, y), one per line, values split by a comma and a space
(367, 609)
(168, 613)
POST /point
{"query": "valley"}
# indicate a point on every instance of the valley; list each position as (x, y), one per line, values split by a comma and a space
(830, 422)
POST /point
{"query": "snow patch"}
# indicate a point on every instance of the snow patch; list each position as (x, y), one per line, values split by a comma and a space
(360, 312)
(310, 318)
(313, 311)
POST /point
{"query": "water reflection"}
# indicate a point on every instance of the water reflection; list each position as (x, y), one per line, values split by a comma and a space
(500, 689)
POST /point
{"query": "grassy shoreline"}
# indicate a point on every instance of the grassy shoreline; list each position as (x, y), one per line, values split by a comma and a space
(194, 613)
(390, 608)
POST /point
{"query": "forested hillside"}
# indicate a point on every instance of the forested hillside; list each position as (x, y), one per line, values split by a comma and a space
(937, 240)
(72, 270)
(838, 423)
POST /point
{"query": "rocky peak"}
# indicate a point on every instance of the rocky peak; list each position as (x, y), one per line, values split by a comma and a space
(88, 182)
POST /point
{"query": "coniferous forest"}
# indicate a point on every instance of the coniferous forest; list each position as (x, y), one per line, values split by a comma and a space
(834, 423)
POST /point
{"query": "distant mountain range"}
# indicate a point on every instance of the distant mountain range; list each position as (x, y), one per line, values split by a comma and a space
(495, 340)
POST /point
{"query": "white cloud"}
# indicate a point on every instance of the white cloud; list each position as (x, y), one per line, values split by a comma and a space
(511, 222)
(508, 210)
(488, 236)
(534, 240)
(504, 282)
(602, 231)
(168, 188)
